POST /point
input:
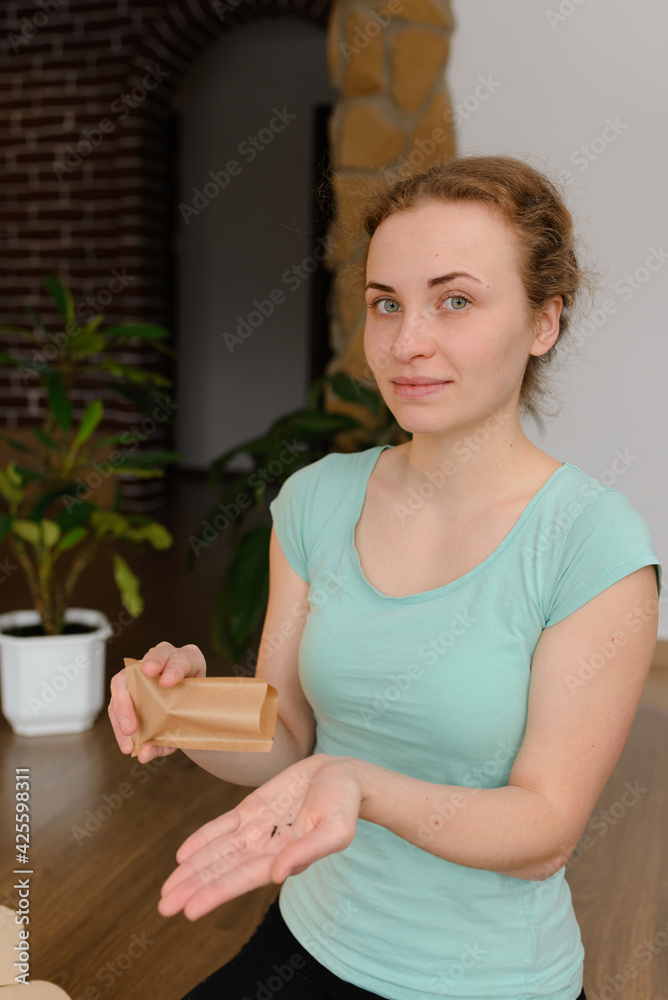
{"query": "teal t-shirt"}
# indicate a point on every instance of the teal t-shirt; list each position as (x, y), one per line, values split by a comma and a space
(435, 685)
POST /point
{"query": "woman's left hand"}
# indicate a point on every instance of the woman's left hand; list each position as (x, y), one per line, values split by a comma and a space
(302, 814)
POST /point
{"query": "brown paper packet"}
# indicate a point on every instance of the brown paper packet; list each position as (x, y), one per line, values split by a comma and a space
(202, 713)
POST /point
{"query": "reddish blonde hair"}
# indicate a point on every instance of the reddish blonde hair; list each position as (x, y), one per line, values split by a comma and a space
(532, 206)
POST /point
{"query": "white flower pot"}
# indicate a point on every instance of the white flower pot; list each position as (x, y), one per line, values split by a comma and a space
(52, 683)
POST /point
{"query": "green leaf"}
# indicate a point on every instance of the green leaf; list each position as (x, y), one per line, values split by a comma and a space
(50, 532)
(145, 331)
(138, 376)
(8, 328)
(142, 398)
(85, 342)
(14, 474)
(61, 295)
(18, 445)
(157, 345)
(69, 540)
(143, 530)
(27, 530)
(5, 525)
(139, 473)
(236, 485)
(7, 359)
(77, 515)
(89, 421)
(128, 586)
(39, 509)
(13, 494)
(256, 448)
(58, 401)
(44, 438)
(111, 439)
(94, 323)
(242, 595)
(38, 320)
(152, 532)
(109, 522)
(352, 391)
(315, 424)
(28, 473)
(218, 466)
(118, 498)
(315, 393)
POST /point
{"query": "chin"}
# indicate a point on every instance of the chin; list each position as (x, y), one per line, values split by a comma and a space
(427, 424)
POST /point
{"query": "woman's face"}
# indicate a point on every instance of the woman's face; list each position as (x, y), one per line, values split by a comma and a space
(425, 317)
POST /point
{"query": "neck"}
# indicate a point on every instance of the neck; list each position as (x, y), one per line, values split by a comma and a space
(470, 467)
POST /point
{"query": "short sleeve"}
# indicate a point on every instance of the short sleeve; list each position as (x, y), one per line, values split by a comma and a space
(288, 510)
(607, 540)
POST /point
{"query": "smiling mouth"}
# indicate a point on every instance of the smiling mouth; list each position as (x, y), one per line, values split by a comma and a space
(423, 390)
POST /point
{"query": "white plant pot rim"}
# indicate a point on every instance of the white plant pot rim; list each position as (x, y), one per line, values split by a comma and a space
(86, 616)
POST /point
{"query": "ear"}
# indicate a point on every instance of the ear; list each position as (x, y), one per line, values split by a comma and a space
(547, 326)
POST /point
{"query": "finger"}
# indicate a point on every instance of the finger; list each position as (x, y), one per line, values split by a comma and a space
(146, 753)
(219, 827)
(122, 704)
(196, 898)
(173, 663)
(150, 751)
(197, 661)
(154, 660)
(220, 857)
(124, 742)
(182, 663)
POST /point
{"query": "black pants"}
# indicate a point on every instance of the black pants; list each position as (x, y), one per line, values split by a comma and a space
(273, 964)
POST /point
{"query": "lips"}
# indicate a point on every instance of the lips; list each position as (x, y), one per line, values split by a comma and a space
(405, 390)
(418, 380)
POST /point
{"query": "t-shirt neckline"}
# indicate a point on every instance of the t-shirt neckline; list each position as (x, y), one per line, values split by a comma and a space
(436, 592)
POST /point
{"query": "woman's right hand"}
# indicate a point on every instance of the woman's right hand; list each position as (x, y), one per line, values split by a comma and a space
(172, 664)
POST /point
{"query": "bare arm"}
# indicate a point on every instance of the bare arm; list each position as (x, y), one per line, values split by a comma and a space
(287, 610)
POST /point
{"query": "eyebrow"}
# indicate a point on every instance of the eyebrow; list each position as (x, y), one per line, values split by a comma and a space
(432, 282)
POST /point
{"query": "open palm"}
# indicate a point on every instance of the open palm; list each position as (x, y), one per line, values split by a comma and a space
(302, 814)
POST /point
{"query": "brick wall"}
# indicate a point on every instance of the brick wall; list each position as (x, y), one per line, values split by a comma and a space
(85, 99)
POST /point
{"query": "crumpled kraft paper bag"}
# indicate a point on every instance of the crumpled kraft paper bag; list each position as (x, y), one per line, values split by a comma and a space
(202, 713)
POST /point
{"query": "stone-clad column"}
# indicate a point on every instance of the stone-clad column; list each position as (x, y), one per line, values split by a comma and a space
(388, 61)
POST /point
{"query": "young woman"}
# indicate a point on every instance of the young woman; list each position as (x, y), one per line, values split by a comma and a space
(467, 627)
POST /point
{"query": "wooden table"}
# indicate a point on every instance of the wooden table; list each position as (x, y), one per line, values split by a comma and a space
(105, 830)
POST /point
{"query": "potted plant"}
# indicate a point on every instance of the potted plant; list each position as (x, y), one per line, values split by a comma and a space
(241, 597)
(52, 656)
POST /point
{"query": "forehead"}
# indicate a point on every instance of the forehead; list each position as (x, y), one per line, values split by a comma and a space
(456, 235)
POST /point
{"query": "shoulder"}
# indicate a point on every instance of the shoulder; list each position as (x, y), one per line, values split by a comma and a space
(583, 499)
(591, 536)
(328, 479)
(581, 515)
(329, 467)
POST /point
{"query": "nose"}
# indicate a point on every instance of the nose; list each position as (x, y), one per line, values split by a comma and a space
(412, 337)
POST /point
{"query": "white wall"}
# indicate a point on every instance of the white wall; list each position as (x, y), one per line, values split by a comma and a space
(554, 78)
(254, 230)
